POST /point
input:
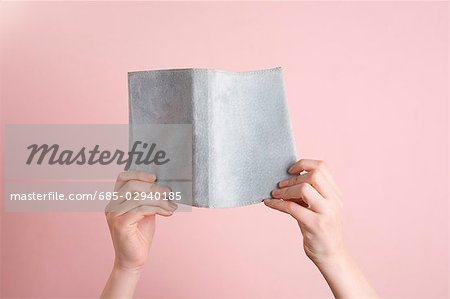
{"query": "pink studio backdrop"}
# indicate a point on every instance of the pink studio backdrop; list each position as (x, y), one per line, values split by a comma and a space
(367, 89)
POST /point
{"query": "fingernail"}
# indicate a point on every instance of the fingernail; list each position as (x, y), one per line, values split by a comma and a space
(173, 205)
(149, 176)
(275, 192)
(283, 183)
(291, 168)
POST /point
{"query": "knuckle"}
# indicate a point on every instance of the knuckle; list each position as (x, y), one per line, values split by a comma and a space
(164, 212)
(155, 188)
(161, 188)
(127, 187)
(122, 175)
(146, 176)
(279, 195)
(292, 181)
(137, 186)
(142, 175)
(139, 174)
(144, 209)
(303, 187)
(315, 177)
(290, 207)
(155, 204)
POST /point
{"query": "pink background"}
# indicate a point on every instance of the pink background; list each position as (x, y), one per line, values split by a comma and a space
(367, 88)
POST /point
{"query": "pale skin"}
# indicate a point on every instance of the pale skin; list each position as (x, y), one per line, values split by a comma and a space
(311, 197)
(314, 199)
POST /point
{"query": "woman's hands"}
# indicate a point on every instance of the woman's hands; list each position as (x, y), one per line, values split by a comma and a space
(132, 226)
(313, 198)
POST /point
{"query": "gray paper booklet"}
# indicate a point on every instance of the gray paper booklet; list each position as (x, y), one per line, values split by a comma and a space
(241, 141)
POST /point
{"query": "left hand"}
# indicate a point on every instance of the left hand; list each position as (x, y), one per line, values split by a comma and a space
(132, 222)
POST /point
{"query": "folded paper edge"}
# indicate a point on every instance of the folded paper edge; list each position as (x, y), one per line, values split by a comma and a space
(215, 70)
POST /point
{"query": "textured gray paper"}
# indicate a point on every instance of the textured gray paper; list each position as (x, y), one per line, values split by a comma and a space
(242, 140)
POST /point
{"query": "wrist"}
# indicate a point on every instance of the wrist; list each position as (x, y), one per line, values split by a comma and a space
(122, 282)
(126, 270)
(344, 277)
(340, 260)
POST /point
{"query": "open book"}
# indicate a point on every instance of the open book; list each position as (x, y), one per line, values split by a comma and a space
(241, 138)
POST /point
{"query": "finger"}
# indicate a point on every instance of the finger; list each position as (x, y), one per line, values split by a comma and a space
(314, 178)
(300, 213)
(310, 165)
(294, 180)
(305, 165)
(139, 213)
(130, 190)
(135, 191)
(303, 191)
(129, 205)
(126, 176)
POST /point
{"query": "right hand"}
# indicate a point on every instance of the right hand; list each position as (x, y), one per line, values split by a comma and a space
(132, 222)
(313, 198)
